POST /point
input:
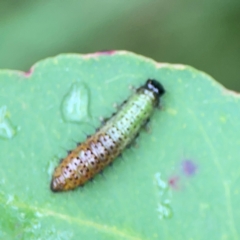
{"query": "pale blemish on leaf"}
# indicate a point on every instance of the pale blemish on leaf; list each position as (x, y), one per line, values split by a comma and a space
(223, 119)
(75, 104)
(164, 208)
(7, 130)
(171, 111)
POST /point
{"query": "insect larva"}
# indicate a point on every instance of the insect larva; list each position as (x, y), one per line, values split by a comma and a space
(100, 149)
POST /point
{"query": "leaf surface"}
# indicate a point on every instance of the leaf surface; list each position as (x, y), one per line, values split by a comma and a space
(181, 181)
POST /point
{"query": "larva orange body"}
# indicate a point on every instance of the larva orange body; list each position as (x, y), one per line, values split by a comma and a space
(108, 142)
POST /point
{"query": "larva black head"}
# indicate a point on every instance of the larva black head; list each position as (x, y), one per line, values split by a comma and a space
(154, 86)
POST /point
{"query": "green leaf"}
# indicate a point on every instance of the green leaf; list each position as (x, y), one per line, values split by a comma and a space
(180, 182)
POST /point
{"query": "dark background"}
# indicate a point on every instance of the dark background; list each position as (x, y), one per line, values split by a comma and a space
(204, 34)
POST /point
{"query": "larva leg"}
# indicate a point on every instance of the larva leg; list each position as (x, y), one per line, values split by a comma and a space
(118, 106)
(77, 143)
(159, 107)
(133, 143)
(103, 120)
(146, 125)
(86, 135)
(132, 88)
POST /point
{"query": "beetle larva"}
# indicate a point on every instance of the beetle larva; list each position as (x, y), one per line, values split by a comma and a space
(100, 149)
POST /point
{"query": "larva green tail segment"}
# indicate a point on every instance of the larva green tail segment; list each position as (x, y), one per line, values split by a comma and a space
(108, 142)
